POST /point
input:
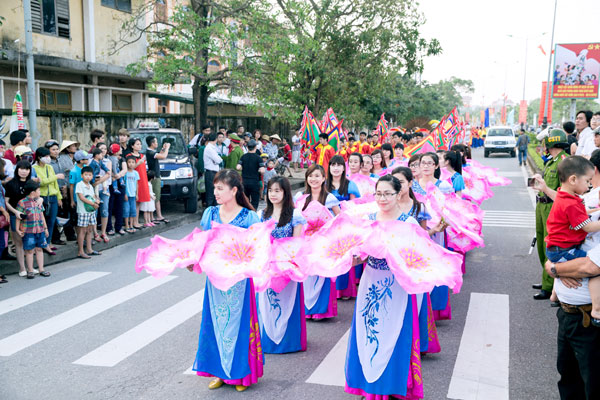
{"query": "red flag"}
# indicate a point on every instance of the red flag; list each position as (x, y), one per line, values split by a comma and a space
(543, 104)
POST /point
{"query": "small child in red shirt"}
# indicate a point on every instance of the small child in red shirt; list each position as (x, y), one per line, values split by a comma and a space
(568, 223)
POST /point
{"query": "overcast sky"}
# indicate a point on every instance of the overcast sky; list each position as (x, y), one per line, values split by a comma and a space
(476, 45)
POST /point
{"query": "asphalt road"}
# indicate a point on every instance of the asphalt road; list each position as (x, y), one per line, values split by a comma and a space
(98, 330)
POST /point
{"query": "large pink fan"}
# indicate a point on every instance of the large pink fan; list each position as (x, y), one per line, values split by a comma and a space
(488, 173)
(284, 266)
(476, 189)
(330, 251)
(164, 255)
(360, 207)
(316, 215)
(416, 261)
(365, 184)
(232, 254)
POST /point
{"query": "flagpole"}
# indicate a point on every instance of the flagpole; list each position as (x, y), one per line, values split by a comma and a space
(31, 98)
(549, 84)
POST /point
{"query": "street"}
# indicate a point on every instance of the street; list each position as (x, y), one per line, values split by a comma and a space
(98, 330)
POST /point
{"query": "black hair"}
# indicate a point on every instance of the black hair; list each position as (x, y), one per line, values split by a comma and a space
(595, 158)
(151, 175)
(130, 157)
(307, 189)
(344, 182)
(287, 204)
(362, 133)
(30, 186)
(588, 115)
(96, 134)
(569, 127)
(413, 158)
(360, 157)
(17, 137)
(96, 151)
(41, 152)
(51, 143)
(462, 149)
(392, 180)
(407, 173)
(22, 164)
(437, 172)
(150, 140)
(131, 142)
(233, 179)
(388, 147)
(87, 168)
(399, 146)
(378, 151)
(323, 136)
(2, 143)
(206, 127)
(222, 127)
(455, 160)
(212, 137)
(574, 165)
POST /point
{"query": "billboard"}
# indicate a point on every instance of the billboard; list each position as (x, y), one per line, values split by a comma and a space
(576, 71)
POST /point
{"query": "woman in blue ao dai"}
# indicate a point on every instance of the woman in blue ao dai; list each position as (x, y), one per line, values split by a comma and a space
(343, 189)
(429, 167)
(453, 163)
(320, 298)
(281, 314)
(383, 356)
(229, 347)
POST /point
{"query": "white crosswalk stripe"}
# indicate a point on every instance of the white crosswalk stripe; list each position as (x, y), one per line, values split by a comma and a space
(331, 370)
(50, 327)
(44, 292)
(509, 219)
(121, 347)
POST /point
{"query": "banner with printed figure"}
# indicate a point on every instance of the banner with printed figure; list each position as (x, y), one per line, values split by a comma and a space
(576, 71)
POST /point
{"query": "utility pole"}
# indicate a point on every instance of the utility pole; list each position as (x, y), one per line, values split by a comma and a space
(31, 96)
(549, 84)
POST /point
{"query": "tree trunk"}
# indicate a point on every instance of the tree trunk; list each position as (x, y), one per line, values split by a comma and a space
(200, 96)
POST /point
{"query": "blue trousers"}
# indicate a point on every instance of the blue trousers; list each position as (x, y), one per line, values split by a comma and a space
(52, 212)
(523, 156)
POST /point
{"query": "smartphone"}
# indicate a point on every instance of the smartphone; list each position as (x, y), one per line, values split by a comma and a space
(531, 182)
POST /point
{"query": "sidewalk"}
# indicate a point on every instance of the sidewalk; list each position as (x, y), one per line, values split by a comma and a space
(173, 213)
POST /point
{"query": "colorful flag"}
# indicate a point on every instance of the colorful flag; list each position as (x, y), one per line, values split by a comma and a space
(382, 128)
(310, 128)
(424, 146)
(446, 130)
(17, 121)
(334, 135)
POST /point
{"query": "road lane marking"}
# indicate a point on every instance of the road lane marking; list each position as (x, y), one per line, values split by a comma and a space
(42, 293)
(121, 347)
(530, 191)
(331, 370)
(50, 327)
(481, 368)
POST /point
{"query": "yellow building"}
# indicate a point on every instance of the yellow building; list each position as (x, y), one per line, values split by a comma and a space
(76, 65)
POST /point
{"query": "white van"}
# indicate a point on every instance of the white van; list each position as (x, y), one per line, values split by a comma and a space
(500, 139)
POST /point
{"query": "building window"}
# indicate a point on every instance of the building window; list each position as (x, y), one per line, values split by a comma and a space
(51, 17)
(121, 102)
(121, 5)
(51, 99)
(161, 13)
(163, 106)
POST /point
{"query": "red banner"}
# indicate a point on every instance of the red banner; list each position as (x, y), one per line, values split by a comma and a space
(543, 104)
(503, 115)
(467, 117)
(523, 112)
(576, 71)
(482, 117)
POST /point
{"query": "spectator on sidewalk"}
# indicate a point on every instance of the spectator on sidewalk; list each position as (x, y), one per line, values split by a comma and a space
(53, 147)
(522, 143)
(100, 183)
(87, 204)
(31, 227)
(66, 163)
(123, 139)
(134, 147)
(132, 178)
(222, 148)
(9, 167)
(15, 191)
(117, 192)
(212, 165)
(585, 137)
(153, 160)
(296, 147)
(17, 138)
(271, 146)
(252, 167)
(148, 207)
(82, 159)
(236, 153)
(49, 189)
(286, 157)
(4, 212)
(569, 128)
(97, 136)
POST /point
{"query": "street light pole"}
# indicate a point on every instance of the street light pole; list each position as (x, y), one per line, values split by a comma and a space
(549, 83)
(31, 99)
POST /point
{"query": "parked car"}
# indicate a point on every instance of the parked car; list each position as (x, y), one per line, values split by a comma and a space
(500, 139)
(177, 172)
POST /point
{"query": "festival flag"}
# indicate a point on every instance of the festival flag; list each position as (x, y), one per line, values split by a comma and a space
(382, 128)
(334, 135)
(424, 146)
(17, 121)
(310, 128)
(446, 130)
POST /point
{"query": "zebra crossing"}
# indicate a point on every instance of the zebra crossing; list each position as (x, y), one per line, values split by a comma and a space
(509, 219)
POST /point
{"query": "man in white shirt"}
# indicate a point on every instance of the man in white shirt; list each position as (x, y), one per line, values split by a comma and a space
(212, 165)
(585, 146)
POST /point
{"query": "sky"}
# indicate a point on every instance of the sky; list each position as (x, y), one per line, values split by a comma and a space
(474, 35)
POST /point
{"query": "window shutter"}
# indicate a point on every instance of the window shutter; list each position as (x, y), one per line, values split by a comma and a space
(36, 16)
(62, 15)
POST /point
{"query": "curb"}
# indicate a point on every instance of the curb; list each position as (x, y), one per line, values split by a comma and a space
(69, 251)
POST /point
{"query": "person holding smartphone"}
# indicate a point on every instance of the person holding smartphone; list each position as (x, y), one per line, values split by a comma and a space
(152, 158)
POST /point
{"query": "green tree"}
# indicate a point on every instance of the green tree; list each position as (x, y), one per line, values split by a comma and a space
(340, 54)
(180, 48)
